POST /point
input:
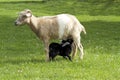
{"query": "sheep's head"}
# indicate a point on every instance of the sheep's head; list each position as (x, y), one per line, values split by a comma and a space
(23, 17)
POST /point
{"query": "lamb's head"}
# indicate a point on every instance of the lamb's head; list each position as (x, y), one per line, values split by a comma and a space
(66, 42)
(23, 17)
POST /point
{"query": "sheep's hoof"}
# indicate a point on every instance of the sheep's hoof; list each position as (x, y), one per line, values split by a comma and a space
(47, 60)
(81, 57)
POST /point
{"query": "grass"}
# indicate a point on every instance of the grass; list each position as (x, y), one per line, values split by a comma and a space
(22, 54)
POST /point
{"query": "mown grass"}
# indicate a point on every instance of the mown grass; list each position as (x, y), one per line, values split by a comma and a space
(22, 54)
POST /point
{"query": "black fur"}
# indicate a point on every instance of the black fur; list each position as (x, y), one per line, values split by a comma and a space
(64, 49)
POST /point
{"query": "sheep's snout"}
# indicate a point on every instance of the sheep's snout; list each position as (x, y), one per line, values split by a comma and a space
(15, 23)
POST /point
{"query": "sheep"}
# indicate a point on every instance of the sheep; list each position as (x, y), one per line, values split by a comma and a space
(63, 49)
(61, 26)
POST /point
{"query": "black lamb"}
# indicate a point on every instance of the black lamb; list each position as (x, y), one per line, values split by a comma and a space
(63, 49)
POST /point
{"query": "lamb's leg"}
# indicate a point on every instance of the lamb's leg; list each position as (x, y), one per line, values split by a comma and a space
(64, 57)
(69, 57)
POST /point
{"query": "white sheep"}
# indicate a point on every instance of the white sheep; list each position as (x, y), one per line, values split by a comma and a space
(62, 26)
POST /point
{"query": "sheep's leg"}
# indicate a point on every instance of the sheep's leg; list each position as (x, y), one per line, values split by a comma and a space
(79, 45)
(74, 48)
(81, 51)
(47, 55)
(46, 43)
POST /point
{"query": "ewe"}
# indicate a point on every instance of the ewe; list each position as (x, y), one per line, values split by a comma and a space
(62, 26)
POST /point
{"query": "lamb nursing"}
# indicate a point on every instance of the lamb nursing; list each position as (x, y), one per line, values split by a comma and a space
(62, 26)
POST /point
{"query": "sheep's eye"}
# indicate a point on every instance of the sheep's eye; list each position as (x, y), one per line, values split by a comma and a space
(24, 16)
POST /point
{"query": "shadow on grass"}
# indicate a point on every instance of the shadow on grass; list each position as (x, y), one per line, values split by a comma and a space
(25, 2)
(85, 7)
(20, 61)
(11, 61)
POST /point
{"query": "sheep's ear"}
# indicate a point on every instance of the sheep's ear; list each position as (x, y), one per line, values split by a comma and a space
(28, 13)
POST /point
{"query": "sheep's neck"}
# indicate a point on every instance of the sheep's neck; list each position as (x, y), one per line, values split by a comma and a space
(33, 24)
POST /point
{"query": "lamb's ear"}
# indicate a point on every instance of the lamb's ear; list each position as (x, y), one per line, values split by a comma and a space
(70, 40)
(63, 41)
(28, 13)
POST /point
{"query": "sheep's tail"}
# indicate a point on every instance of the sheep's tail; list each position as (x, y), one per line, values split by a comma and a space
(83, 29)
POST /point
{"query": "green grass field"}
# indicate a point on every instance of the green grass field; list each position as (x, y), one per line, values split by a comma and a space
(22, 54)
